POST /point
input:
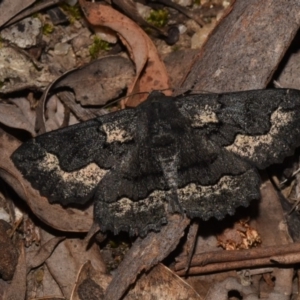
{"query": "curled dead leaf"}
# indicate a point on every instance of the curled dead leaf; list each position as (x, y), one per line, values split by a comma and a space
(99, 81)
(70, 255)
(18, 116)
(36, 258)
(90, 281)
(163, 284)
(151, 73)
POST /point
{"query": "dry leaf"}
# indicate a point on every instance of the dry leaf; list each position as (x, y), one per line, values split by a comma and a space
(37, 258)
(10, 8)
(67, 259)
(17, 288)
(90, 282)
(99, 81)
(151, 73)
(18, 116)
(161, 283)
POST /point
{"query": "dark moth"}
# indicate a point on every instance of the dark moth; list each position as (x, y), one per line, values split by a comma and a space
(190, 154)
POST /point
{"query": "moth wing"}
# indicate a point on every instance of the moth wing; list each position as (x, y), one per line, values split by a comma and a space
(66, 165)
(260, 126)
(236, 132)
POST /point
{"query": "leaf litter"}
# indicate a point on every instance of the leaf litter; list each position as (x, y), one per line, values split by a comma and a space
(58, 65)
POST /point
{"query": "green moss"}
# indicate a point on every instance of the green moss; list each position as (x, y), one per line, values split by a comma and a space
(175, 48)
(158, 18)
(74, 12)
(47, 28)
(113, 244)
(97, 46)
(197, 2)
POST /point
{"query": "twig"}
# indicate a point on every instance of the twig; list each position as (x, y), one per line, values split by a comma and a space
(236, 259)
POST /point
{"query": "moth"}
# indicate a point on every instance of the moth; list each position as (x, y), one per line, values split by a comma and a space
(195, 154)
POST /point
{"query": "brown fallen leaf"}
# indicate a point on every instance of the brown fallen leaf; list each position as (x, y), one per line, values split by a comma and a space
(68, 102)
(163, 284)
(90, 282)
(55, 112)
(271, 222)
(99, 81)
(71, 219)
(274, 232)
(94, 84)
(41, 285)
(36, 258)
(70, 255)
(151, 73)
(9, 9)
(31, 10)
(18, 116)
(17, 288)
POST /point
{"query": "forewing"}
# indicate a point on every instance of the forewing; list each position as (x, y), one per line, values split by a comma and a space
(66, 165)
